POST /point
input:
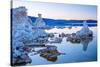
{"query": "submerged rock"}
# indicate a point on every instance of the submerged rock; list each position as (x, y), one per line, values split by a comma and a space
(50, 53)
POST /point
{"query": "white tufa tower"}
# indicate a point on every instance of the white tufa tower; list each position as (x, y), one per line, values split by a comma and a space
(39, 21)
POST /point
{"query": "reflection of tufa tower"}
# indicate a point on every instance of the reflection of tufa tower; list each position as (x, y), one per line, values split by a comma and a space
(39, 21)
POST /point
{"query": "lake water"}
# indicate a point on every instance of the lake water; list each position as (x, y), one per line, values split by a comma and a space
(74, 52)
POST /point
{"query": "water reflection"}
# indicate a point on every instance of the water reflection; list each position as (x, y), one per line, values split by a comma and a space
(85, 42)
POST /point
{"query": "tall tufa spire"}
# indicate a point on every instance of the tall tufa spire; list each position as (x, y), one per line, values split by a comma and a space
(40, 15)
(85, 24)
(39, 21)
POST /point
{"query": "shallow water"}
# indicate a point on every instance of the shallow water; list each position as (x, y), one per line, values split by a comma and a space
(74, 52)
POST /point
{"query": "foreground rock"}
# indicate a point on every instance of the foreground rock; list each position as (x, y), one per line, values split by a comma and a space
(50, 53)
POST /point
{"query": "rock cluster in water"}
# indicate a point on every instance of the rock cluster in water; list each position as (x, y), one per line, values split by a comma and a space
(23, 35)
(84, 36)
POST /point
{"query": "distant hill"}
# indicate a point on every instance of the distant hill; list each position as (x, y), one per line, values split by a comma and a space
(59, 22)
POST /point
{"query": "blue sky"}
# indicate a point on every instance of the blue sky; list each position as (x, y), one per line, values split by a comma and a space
(58, 10)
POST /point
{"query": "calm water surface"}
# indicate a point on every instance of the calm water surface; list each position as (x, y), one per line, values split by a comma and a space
(74, 52)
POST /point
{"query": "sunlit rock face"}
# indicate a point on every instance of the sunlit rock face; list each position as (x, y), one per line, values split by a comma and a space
(22, 25)
(21, 31)
(85, 31)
